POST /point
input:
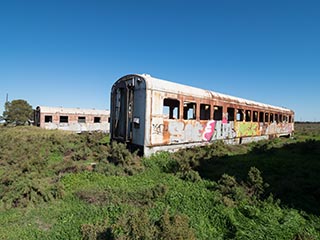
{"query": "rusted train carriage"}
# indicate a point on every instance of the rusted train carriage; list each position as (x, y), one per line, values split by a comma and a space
(150, 114)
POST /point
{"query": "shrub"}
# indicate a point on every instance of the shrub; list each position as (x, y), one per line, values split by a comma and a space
(126, 163)
(96, 231)
(254, 184)
(33, 160)
(234, 193)
(136, 224)
(174, 227)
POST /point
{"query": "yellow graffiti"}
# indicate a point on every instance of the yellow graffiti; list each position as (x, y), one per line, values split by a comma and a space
(247, 129)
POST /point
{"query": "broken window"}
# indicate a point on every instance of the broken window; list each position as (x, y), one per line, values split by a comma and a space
(97, 120)
(81, 119)
(171, 108)
(217, 114)
(240, 115)
(189, 110)
(248, 115)
(271, 117)
(255, 116)
(47, 118)
(64, 119)
(230, 112)
(261, 114)
(205, 110)
(266, 117)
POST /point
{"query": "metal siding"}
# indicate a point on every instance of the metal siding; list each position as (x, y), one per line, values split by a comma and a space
(139, 112)
(148, 127)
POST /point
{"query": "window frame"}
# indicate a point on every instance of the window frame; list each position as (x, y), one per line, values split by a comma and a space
(81, 118)
(187, 106)
(173, 108)
(63, 119)
(205, 114)
(46, 120)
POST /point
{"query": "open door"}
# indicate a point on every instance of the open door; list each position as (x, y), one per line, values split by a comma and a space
(123, 102)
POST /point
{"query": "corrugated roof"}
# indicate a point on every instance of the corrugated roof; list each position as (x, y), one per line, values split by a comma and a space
(167, 86)
(79, 111)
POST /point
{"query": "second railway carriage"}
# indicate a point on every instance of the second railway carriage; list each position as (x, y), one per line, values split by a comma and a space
(72, 119)
(151, 114)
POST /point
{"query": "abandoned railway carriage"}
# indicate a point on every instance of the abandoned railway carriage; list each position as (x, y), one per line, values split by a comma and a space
(72, 119)
(150, 114)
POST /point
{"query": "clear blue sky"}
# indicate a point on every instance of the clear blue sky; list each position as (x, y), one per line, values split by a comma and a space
(69, 53)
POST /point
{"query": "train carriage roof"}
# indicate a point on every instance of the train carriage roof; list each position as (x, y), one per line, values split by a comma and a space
(167, 86)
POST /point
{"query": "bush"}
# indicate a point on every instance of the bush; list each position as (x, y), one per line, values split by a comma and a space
(174, 227)
(234, 193)
(33, 160)
(126, 163)
(96, 231)
(136, 224)
(254, 184)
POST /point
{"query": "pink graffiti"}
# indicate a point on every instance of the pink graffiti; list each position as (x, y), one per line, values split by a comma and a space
(224, 120)
(209, 130)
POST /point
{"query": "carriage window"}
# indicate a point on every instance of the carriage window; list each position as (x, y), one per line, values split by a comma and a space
(285, 118)
(261, 114)
(171, 108)
(47, 118)
(81, 119)
(280, 118)
(290, 119)
(64, 119)
(255, 116)
(271, 117)
(97, 120)
(217, 114)
(240, 115)
(266, 117)
(189, 110)
(248, 115)
(276, 117)
(230, 112)
(205, 111)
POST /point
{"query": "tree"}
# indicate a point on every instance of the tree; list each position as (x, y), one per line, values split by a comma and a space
(17, 112)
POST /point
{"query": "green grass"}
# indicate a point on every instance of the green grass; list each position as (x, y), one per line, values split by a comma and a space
(49, 189)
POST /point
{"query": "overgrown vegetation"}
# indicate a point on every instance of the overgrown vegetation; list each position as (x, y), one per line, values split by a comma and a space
(58, 185)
